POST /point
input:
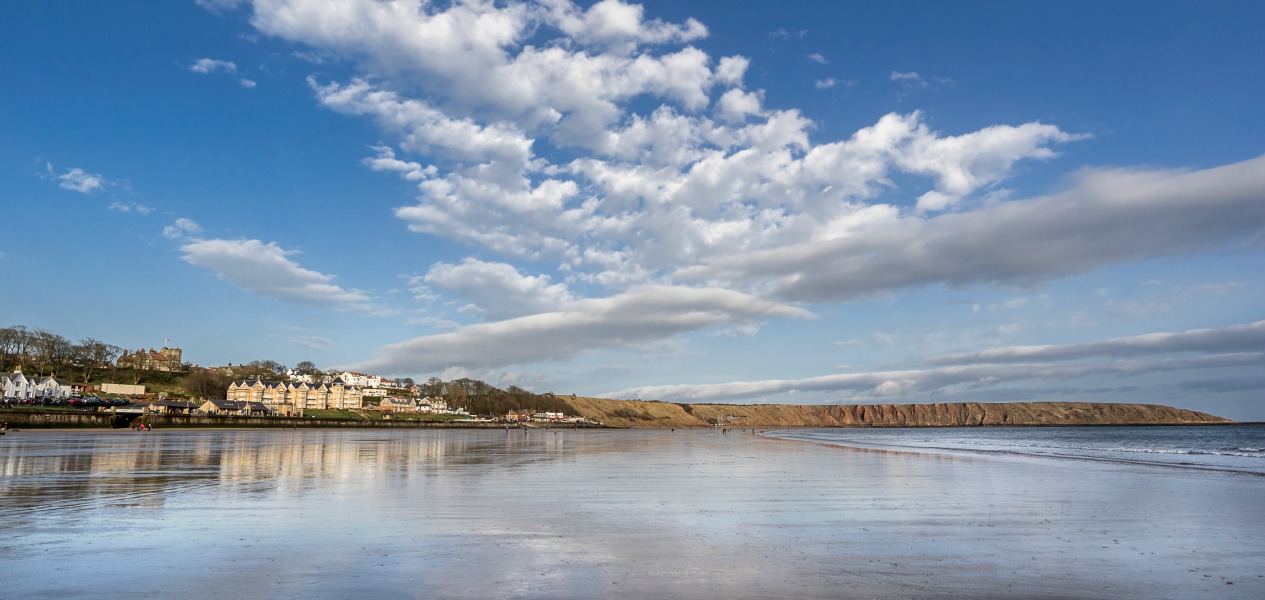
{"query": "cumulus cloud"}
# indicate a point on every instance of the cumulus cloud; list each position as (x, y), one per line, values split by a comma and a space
(784, 33)
(731, 69)
(498, 290)
(474, 53)
(736, 105)
(266, 269)
(78, 180)
(247, 83)
(626, 194)
(602, 142)
(910, 78)
(387, 162)
(619, 26)
(130, 207)
(641, 315)
(182, 227)
(818, 58)
(207, 66)
(1107, 217)
(911, 81)
(429, 131)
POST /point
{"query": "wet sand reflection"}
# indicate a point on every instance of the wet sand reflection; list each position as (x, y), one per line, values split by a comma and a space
(582, 514)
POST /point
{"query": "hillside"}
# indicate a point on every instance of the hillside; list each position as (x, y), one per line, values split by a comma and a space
(636, 413)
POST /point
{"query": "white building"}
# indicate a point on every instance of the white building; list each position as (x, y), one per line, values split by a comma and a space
(295, 377)
(360, 380)
(17, 385)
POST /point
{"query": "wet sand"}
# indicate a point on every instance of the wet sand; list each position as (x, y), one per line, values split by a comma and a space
(586, 514)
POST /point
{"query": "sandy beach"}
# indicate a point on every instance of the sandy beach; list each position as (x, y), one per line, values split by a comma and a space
(585, 514)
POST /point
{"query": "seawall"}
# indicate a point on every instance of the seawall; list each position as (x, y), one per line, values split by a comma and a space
(18, 419)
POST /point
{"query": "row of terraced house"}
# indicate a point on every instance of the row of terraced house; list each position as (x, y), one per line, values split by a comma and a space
(21, 387)
(291, 399)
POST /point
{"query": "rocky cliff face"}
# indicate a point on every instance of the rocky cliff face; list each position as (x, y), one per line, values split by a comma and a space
(634, 413)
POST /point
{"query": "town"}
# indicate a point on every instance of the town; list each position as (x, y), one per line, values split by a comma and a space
(50, 372)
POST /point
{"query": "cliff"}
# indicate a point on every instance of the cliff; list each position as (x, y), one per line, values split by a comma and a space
(635, 413)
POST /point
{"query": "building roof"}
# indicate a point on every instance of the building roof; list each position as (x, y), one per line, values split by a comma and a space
(174, 404)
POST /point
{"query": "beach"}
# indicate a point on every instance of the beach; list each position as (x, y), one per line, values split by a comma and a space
(585, 514)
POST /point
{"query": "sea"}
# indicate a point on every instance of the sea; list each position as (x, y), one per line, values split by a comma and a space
(1234, 448)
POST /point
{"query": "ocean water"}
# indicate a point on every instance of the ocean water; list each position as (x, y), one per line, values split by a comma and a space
(1238, 448)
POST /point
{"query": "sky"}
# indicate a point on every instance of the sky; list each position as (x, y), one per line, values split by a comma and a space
(808, 202)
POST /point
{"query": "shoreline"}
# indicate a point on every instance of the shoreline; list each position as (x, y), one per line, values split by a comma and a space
(1053, 454)
(1038, 415)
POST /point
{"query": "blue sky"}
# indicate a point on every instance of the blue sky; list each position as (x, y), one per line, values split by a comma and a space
(818, 202)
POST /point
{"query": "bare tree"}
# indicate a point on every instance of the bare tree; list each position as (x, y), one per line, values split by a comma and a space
(51, 350)
(8, 345)
(455, 394)
(206, 384)
(307, 367)
(14, 344)
(261, 369)
(93, 354)
(22, 342)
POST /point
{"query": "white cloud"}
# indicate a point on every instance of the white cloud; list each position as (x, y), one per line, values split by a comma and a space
(910, 78)
(247, 83)
(387, 162)
(427, 130)
(736, 105)
(643, 193)
(618, 26)
(266, 269)
(312, 342)
(818, 58)
(1204, 350)
(599, 141)
(209, 65)
(219, 6)
(1108, 217)
(732, 69)
(1248, 337)
(642, 315)
(182, 227)
(498, 290)
(883, 386)
(78, 180)
(831, 83)
(785, 33)
(911, 81)
(130, 207)
(473, 52)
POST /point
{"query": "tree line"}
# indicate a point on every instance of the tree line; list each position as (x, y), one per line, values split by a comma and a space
(480, 398)
(39, 351)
